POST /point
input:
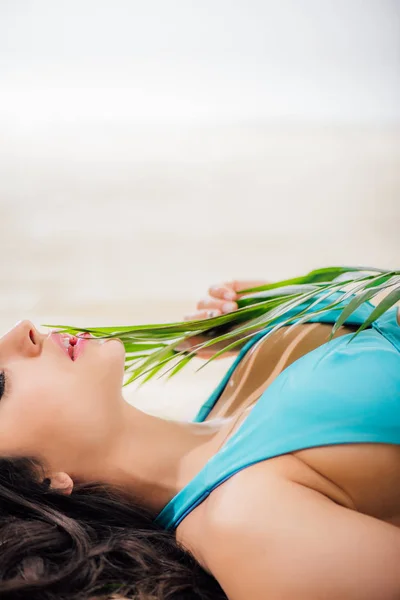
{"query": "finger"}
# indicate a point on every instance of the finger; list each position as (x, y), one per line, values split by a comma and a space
(229, 290)
(223, 291)
(238, 285)
(221, 305)
(202, 314)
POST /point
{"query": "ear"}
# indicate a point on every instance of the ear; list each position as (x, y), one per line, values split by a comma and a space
(61, 482)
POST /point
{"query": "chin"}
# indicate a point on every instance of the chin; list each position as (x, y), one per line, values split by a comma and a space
(114, 345)
(113, 349)
(113, 352)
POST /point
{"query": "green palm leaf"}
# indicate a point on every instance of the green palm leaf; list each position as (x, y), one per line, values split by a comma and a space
(150, 348)
(390, 300)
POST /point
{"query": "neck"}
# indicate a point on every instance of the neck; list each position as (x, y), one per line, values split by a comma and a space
(153, 458)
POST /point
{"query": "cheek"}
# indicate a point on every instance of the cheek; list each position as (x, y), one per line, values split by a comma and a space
(29, 417)
(61, 426)
(61, 415)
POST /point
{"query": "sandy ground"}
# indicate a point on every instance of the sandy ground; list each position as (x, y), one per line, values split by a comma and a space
(107, 226)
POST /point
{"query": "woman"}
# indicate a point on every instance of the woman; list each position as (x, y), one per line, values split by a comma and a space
(286, 484)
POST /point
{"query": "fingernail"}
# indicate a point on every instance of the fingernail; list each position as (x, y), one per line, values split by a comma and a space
(228, 307)
(212, 313)
(229, 295)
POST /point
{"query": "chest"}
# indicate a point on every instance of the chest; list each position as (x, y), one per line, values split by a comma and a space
(361, 477)
(369, 474)
(364, 476)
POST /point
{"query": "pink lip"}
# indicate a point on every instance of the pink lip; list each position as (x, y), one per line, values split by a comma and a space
(76, 346)
(81, 343)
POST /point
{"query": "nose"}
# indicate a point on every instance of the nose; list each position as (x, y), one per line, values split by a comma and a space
(23, 338)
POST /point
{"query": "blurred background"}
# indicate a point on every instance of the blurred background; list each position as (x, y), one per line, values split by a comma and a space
(151, 149)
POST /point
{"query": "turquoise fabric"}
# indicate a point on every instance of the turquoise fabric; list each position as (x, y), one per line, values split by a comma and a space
(339, 393)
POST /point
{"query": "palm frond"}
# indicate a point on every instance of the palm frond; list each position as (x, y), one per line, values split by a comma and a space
(151, 347)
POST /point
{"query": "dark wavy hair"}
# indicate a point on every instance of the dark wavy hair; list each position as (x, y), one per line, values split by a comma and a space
(91, 545)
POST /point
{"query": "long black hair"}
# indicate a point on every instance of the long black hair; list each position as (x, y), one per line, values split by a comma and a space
(93, 544)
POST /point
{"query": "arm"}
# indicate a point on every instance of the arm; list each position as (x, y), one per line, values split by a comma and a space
(294, 543)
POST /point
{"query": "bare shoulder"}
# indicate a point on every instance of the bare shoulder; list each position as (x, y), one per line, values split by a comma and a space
(193, 532)
(240, 492)
(291, 541)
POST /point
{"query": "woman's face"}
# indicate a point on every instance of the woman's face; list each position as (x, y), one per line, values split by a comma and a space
(55, 408)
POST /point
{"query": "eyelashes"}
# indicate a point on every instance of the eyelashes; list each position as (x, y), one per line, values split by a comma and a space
(3, 384)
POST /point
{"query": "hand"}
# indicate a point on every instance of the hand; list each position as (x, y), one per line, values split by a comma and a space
(222, 299)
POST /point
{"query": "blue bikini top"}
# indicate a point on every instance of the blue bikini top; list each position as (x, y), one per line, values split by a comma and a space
(338, 393)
